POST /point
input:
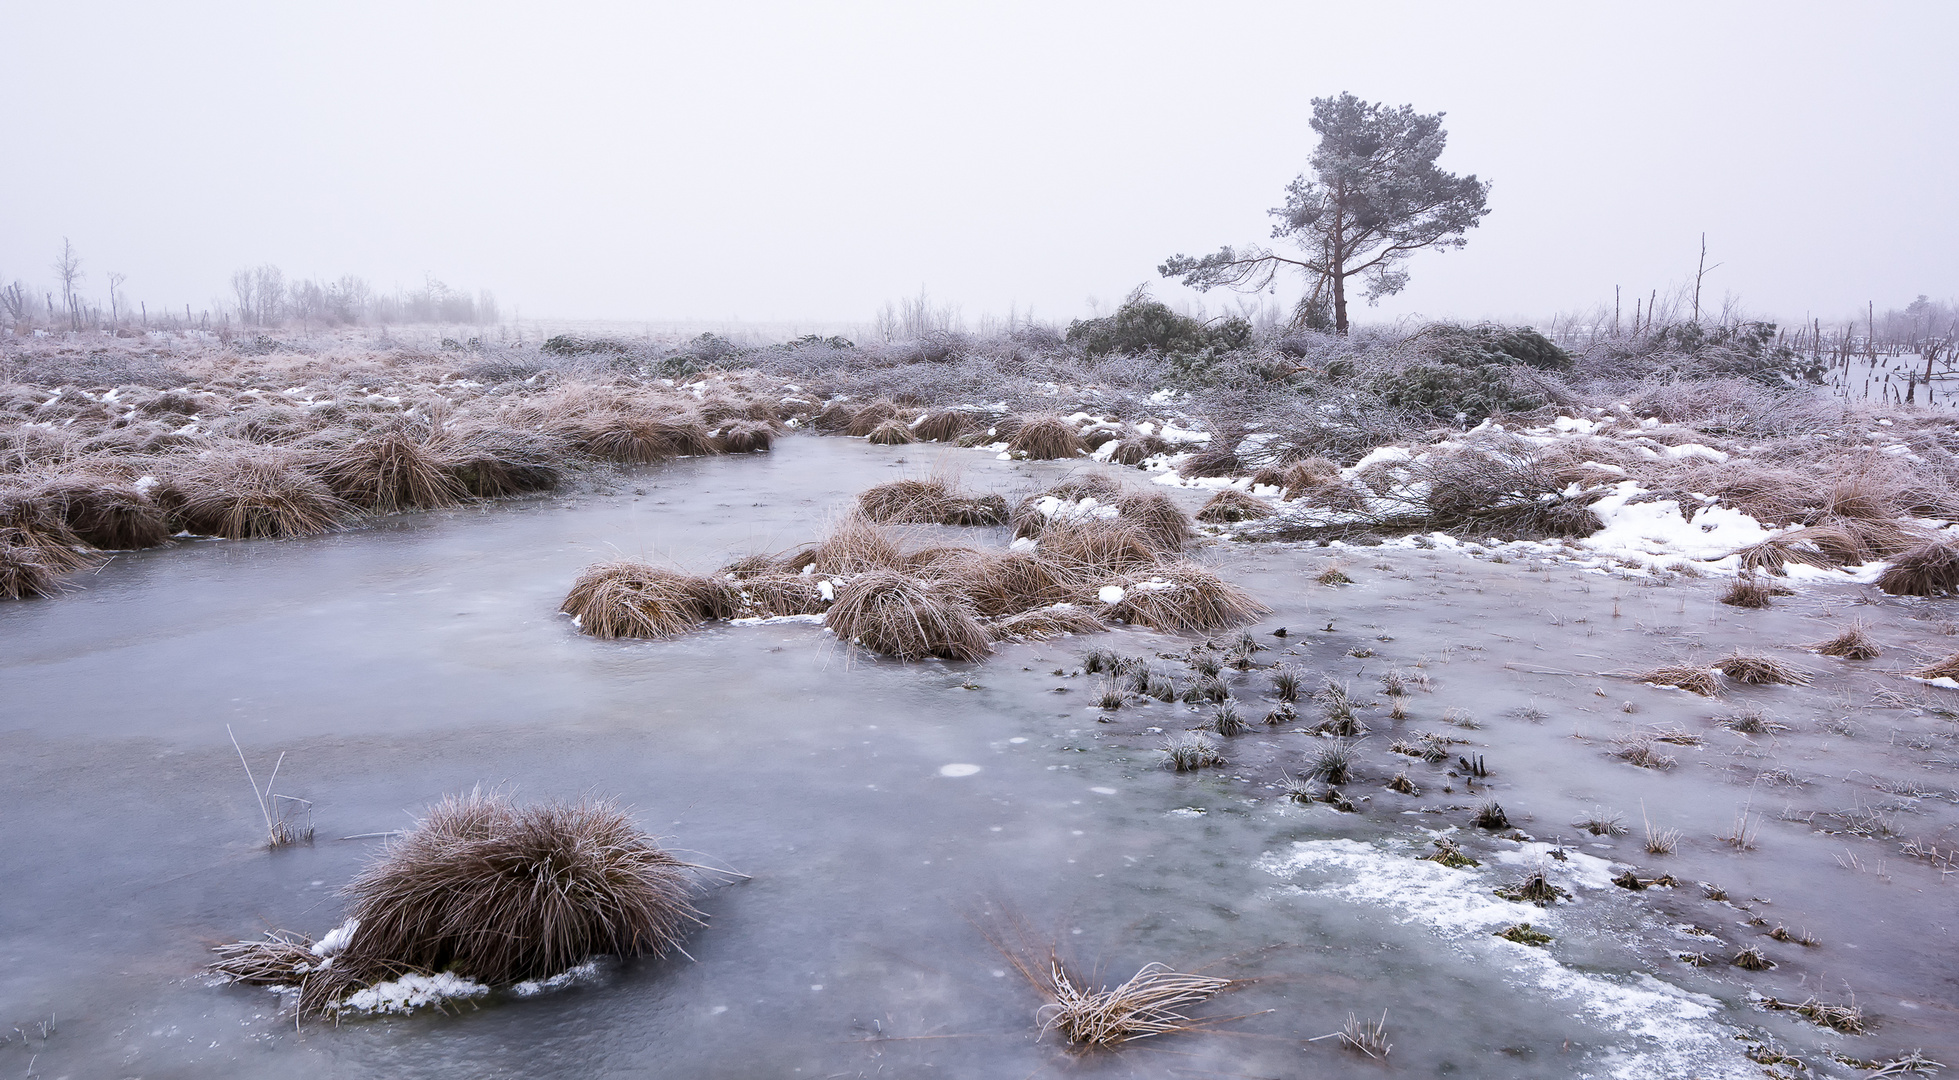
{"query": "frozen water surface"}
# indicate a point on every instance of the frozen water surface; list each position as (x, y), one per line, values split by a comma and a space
(423, 656)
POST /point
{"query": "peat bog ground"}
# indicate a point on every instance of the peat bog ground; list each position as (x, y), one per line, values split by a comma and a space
(1455, 749)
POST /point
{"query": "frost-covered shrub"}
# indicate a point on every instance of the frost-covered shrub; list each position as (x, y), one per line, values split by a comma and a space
(1448, 391)
(1145, 325)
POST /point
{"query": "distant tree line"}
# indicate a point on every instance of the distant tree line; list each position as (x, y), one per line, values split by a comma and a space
(261, 296)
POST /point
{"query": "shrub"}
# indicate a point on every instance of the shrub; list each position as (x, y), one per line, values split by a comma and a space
(1142, 325)
(1482, 346)
(1452, 393)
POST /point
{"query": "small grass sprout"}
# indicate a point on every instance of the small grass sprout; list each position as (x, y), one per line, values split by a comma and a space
(1522, 934)
(1226, 721)
(1190, 751)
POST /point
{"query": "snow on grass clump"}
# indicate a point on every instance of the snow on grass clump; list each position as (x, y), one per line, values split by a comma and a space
(1663, 1029)
(1660, 528)
(410, 992)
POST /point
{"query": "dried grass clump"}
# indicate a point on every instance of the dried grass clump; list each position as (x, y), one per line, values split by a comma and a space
(1046, 437)
(633, 599)
(106, 513)
(251, 494)
(1845, 1019)
(494, 462)
(836, 416)
(1853, 642)
(37, 518)
(891, 433)
(1136, 449)
(280, 958)
(645, 434)
(500, 893)
(1694, 680)
(1231, 505)
(1759, 669)
(1306, 475)
(1927, 570)
(1748, 591)
(929, 502)
(1092, 551)
(1822, 546)
(1150, 1003)
(868, 419)
(775, 594)
(1218, 457)
(1640, 750)
(1043, 624)
(947, 425)
(1184, 598)
(854, 546)
(1001, 583)
(1947, 668)
(745, 437)
(391, 470)
(887, 612)
(1162, 523)
(24, 573)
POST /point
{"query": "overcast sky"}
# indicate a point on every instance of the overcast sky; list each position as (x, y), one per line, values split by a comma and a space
(810, 161)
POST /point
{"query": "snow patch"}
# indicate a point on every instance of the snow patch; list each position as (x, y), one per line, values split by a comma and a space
(1666, 1031)
(411, 992)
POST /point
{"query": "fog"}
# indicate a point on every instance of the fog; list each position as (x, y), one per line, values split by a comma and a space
(808, 163)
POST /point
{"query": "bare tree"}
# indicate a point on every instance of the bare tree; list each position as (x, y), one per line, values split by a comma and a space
(15, 301)
(269, 282)
(348, 299)
(245, 291)
(1375, 198)
(115, 296)
(68, 269)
